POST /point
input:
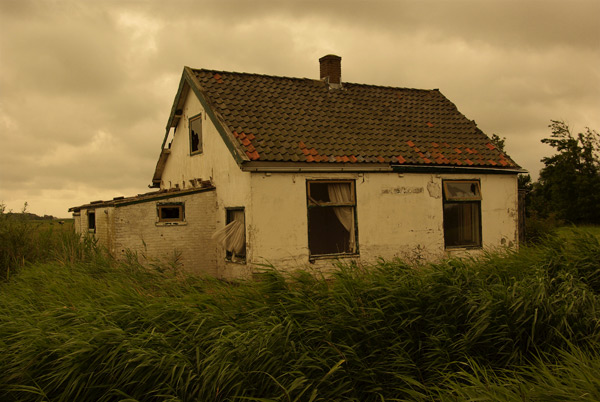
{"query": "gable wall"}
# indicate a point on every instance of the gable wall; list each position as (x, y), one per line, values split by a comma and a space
(397, 216)
(215, 163)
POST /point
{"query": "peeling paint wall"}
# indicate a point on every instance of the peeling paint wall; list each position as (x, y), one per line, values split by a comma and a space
(397, 216)
(217, 164)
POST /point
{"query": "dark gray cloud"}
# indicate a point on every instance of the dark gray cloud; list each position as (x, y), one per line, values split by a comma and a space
(86, 87)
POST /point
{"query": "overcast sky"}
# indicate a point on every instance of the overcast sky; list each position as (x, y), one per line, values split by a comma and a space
(86, 87)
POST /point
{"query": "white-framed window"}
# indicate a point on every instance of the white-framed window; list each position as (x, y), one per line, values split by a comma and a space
(331, 208)
(195, 124)
(462, 213)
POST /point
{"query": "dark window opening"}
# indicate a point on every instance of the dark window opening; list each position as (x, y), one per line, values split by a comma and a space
(92, 221)
(331, 217)
(237, 250)
(196, 135)
(170, 213)
(462, 213)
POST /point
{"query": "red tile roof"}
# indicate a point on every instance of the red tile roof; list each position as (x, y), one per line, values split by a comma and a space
(283, 119)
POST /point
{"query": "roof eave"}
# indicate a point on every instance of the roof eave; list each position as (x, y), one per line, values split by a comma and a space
(290, 167)
(337, 167)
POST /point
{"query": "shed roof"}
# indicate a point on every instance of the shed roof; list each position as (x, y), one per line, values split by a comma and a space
(146, 197)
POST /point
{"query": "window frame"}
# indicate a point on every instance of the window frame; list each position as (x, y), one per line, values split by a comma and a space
(191, 120)
(448, 199)
(312, 203)
(229, 255)
(91, 228)
(170, 221)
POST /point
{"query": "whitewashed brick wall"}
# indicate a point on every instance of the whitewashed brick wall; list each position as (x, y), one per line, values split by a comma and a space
(135, 228)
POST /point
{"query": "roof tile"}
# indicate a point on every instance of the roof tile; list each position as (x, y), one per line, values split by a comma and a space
(274, 118)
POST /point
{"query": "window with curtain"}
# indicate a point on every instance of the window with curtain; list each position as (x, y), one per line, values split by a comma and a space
(233, 236)
(331, 217)
(462, 213)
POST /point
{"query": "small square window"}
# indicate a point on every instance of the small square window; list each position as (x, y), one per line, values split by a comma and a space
(196, 134)
(170, 213)
(462, 190)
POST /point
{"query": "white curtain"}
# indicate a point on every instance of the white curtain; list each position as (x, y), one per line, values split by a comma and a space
(233, 236)
(342, 193)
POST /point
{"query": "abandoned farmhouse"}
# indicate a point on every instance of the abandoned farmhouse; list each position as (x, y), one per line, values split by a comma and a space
(258, 169)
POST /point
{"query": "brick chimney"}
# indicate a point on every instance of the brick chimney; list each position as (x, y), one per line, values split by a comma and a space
(331, 69)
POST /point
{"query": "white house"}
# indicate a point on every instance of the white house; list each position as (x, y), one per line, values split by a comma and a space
(298, 171)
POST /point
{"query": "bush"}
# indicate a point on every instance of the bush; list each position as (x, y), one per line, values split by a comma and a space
(24, 241)
(538, 228)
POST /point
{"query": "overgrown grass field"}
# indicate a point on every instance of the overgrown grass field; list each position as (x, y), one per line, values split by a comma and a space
(79, 326)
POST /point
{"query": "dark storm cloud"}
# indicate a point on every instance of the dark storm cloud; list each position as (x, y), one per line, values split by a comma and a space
(86, 86)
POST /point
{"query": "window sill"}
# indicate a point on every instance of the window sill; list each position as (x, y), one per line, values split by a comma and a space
(240, 262)
(196, 153)
(171, 223)
(313, 258)
(459, 248)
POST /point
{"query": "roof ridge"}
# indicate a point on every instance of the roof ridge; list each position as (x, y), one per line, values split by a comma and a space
(210, 70)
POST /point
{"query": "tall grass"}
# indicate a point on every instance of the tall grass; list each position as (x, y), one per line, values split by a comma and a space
(23, 241)
(506, 326)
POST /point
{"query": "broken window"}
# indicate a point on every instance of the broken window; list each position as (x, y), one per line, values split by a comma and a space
(331, 217)
(233, 236)
(172, 212)
(196, 134)
(462, 213)
(91, 215)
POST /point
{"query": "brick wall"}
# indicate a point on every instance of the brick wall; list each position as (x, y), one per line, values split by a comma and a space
(136, 229)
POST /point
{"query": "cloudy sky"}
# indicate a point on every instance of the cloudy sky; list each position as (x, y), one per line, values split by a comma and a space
(86, 86)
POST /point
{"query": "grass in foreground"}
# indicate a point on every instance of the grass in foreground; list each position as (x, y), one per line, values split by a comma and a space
(519, 326)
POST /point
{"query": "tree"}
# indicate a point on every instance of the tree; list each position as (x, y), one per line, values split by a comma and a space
(498, 141)
(569, 184)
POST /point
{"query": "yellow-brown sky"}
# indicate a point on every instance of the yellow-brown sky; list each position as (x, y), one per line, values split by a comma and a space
(86, 86)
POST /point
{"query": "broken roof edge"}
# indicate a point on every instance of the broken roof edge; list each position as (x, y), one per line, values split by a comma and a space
(224, 131)
(146, 197)
(189, 81)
